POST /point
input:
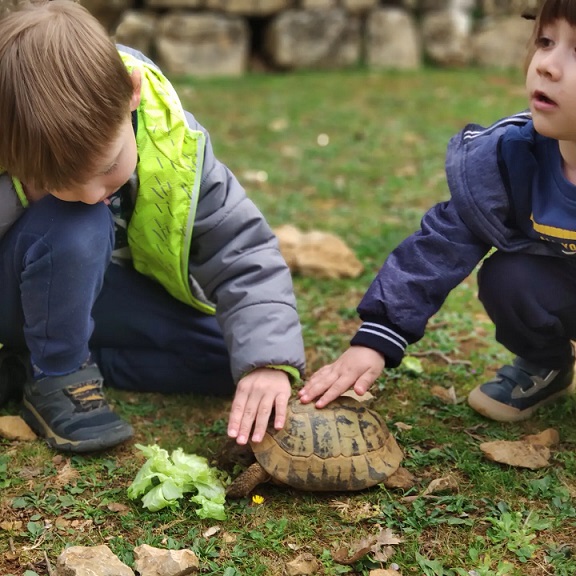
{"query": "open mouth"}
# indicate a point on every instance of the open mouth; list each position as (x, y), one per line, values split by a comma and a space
(541, 97)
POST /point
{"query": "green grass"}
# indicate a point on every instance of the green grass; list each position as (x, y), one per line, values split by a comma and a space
(381, 169)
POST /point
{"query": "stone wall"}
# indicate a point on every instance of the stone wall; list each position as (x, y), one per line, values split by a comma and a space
(230, 37)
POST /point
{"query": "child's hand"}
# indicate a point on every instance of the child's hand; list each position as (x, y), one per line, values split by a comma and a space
(257, 394)
(357, 368)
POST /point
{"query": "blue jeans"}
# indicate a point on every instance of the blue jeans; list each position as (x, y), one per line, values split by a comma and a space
(532, 302)
(62, 299)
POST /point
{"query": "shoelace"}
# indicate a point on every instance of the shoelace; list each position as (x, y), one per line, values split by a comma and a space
(87, 395)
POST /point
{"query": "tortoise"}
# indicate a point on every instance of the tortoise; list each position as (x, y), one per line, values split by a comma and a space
(343, 446)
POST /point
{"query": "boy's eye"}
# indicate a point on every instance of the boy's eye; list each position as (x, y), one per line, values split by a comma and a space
(110, 169)
(542, 42)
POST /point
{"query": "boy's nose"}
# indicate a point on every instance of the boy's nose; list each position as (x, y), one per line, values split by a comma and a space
(550, 66)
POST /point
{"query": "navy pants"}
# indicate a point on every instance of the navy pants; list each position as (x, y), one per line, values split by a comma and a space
(61, 298)
(532, 302)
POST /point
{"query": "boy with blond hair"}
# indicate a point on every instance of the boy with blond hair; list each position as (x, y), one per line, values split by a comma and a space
(128, 253)
(513, 188)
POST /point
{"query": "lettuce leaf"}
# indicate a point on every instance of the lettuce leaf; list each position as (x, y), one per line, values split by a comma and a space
(165, 478)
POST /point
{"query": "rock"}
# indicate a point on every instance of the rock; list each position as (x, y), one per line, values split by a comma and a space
(446, 37)
(202, 44)
(249, 7)
(14, 428)
(90, 561)
(392, 40)
(317, 254)
(502, 43)
(150, 561)
(323, 38)
(137, 30)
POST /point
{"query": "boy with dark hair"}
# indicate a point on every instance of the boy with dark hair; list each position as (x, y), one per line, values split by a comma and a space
(120, 237)
(513, 188)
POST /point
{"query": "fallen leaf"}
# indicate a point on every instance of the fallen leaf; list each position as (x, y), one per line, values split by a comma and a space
(11, 525)
(278, 125)
(66, 475)
(211, 531)
(548, 437)
(28, 472)
(255, 176)
(446, 395)
(382, 548)
(447, 483)
(354, 511)
(383, 572)
(303, 565)
(229, 538)
(402, 479)
(352, 394)
(118, 507)
(402, 426)
(517, 453)
(358, 549)
(14, 428)
(380, 545)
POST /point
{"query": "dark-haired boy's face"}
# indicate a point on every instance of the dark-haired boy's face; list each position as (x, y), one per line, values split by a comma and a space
(551, 81)
(113, 170)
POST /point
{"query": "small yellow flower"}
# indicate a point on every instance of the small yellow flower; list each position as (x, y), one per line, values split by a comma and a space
(257, 499)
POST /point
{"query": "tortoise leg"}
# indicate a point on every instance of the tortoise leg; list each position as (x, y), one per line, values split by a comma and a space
(247, 481)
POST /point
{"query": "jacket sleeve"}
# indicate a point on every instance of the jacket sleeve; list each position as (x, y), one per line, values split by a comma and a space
(415, 280)
(236, 260)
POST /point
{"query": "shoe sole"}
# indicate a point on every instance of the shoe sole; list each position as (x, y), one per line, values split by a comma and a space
(41, 428)
(494, 410)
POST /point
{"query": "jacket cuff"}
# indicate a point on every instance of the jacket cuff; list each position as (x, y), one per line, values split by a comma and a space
(382, 339)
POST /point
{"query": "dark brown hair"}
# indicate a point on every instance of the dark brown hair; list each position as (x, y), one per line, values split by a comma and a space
(548, 11)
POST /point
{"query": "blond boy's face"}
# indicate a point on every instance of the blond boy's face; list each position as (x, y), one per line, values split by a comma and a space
(115, 167)
(551, 82)
(113, 171)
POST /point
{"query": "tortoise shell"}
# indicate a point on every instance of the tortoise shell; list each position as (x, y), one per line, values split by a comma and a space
(344, 446)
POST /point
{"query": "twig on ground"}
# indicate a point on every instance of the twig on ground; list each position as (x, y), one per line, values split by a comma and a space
(48, 565)
(442, 356)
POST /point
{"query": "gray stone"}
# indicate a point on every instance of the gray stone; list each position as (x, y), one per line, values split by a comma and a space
(299, 39)
(316, 4)
(358, 6)
(392, 40)
(446, 37)
(90, 561)
(249, 7)
(137, 29)
(503, 44)
(150, 561)
(108, 12)
(202, 44)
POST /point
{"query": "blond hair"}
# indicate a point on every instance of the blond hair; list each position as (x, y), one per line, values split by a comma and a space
(64, 94)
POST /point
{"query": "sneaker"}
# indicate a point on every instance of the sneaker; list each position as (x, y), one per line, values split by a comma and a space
(13, 374)
(71, 413)
(519, 390)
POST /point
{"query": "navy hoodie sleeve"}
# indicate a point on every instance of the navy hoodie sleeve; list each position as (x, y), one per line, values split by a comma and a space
(415, 280)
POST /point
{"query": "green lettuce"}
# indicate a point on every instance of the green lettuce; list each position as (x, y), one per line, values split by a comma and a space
(165, 478)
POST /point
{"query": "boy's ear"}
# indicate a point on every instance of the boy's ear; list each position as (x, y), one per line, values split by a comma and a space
(136, 84)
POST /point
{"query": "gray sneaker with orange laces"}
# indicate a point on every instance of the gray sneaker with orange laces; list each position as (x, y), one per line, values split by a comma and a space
(71, 413)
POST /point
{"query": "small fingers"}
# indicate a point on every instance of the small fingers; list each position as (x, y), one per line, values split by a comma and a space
(262, 418)
(337, 389)
(319, 383)
(236, 414)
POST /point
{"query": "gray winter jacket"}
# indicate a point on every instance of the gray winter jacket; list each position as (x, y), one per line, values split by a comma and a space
(235, 261)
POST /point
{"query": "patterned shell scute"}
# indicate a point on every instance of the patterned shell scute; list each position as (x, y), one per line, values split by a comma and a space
(344, 446)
